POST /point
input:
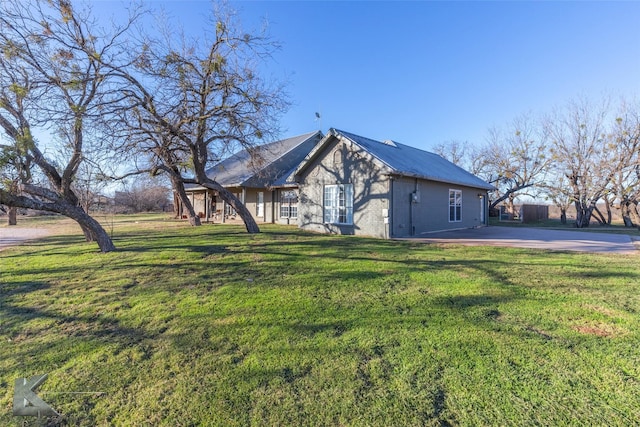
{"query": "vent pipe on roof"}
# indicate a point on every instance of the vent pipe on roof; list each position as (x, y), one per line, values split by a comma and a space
(389, 142)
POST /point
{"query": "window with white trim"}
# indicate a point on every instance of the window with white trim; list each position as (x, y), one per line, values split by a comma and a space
(288, 204)
(260, 204)
(455, 205)
(338, 204)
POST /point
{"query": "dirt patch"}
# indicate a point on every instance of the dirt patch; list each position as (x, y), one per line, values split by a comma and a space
(602, 310)
(13, 236)
(600, 330)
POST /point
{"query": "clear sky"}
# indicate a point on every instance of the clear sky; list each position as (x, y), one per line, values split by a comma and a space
(425, 72)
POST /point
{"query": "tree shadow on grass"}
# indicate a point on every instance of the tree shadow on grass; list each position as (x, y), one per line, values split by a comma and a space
(12, 288)
(97, 327)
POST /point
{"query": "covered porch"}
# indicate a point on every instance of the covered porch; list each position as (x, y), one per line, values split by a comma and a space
(208, 205)
(267, 205)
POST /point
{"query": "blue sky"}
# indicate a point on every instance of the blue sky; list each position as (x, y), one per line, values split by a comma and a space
(423, 73)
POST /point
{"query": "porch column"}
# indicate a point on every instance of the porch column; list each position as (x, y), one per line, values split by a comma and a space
(224, 211)
(273, 206)
(206, 205)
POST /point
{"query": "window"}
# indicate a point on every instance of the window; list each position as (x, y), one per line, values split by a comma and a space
(337, 157)
(455, 205)
(260, 204)
(338, 204)
(289, 204)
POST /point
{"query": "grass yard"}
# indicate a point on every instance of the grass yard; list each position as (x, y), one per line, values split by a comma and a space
(189, 326)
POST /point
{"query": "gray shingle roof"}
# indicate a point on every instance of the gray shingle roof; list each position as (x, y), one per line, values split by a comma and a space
(275, 163)
(409, 161)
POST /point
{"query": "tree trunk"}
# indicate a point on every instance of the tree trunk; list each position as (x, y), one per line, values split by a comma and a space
(13, 216)
(583, 214)
(89, 236)
(249, 223)
(598, 216)
(63, 207)
(511, 205)
(563, 216)
(93, 231)
(178, 187)
(625, 211)
(609, 214)
(633, 213)
(176, 205)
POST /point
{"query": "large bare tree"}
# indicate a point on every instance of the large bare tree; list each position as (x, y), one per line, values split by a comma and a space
(624, 161)
(580, 153)
(514, 160)
(9, 179)
(191, 101)
(54, 83)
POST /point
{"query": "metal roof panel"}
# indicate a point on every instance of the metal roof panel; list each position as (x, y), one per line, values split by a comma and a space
(406, 160)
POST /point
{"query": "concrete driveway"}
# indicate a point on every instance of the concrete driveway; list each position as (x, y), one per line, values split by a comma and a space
(536, 238)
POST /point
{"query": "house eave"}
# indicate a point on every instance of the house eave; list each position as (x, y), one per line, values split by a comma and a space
(397, 174)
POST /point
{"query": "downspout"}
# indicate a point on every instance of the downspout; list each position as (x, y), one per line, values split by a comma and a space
(413, 199)
(485, 205)
(411, 227)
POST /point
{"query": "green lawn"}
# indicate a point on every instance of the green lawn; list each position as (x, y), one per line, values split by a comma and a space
(211, 326)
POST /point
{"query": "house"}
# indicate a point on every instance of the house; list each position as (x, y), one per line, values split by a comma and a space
(260, 178)
(349, 184)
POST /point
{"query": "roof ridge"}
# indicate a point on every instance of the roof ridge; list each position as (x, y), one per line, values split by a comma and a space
(394, 157)
(349, 134)
(239, 154)
(395, 144)
(306, 137)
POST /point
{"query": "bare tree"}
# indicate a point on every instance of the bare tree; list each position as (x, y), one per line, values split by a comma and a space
(514, 161)
(557, 191)
(9, 178)
(158, 153)
(580, 153)
(52, 80)
(89, 184)
(455, 151)
(145, 194)
(624, 146)
(190, 100)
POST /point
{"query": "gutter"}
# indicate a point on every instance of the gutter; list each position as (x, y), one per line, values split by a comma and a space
(428, 178)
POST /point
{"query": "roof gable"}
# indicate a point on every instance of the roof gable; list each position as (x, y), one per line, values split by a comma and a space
(401, 159)
(267, 165)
